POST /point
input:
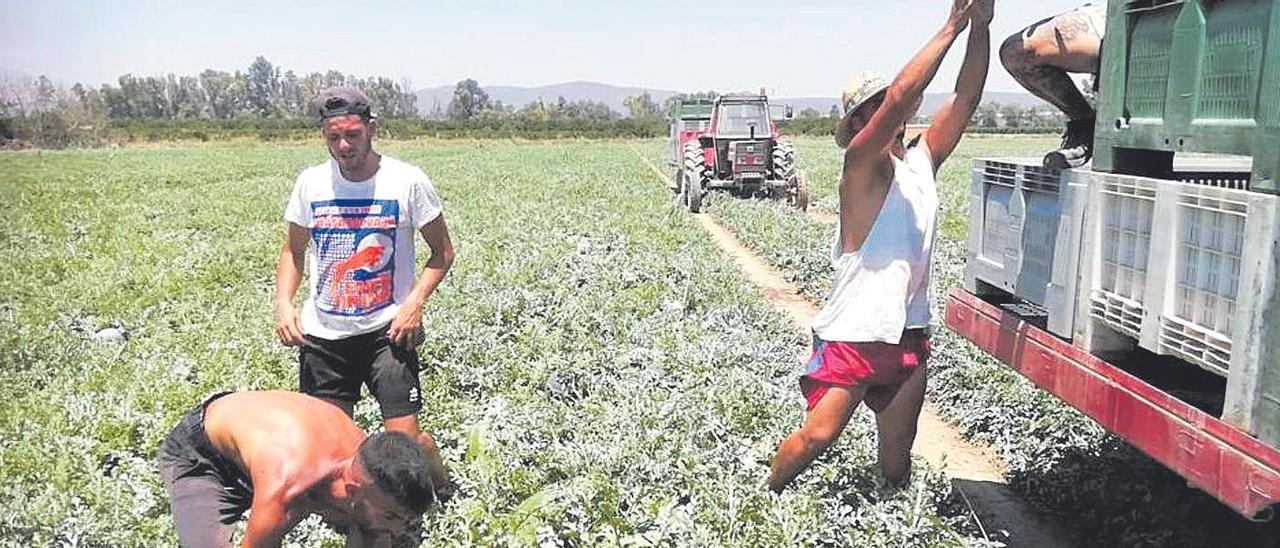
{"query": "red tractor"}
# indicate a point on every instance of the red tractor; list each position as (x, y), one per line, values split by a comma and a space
(732, 144)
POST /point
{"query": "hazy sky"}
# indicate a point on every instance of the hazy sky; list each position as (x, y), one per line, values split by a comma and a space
(796, 48)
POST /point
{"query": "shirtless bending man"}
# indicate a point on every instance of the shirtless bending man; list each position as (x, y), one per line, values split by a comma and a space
(284, 456)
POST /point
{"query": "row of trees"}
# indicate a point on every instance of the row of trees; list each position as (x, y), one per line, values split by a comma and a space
(263, 91)
(988, 115)
(996, 115)
(268, 102)
(471, 102)
(38, 110)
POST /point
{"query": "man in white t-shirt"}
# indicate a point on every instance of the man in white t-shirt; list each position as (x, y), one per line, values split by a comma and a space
(871, 338)
(362, 321)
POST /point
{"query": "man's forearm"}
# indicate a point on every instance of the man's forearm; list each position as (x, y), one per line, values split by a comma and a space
(431, 277)
(919, 72)
(953, 117)
(901, 97)
(267, 526)
(973, 72)
(288, 278)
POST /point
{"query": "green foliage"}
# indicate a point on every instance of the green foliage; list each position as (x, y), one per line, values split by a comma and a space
(510, 127)
(642, 106)
(264, 91)
(307, 131)
(37, 113)
(469, 100)
(564, 110)
(595, 371)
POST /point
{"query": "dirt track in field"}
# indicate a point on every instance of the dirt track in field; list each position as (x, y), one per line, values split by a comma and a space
(976, 471)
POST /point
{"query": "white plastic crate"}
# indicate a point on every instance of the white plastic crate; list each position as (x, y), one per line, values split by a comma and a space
(1210, 250)
(1061, 298)
(1125, 208)
(1013, 225)
(1181, 269)
(1186, 267)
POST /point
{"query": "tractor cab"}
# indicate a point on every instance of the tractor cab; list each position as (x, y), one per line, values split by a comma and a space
(740, 142)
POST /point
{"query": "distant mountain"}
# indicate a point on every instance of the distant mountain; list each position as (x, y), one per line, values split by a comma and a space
(433, 100)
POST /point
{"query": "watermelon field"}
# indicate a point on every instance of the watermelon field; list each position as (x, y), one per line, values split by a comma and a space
(596, 371)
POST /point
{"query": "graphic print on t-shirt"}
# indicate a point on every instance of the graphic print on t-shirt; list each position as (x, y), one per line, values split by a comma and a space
(355, 248)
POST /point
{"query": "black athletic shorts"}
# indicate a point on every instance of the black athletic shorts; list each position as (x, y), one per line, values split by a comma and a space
(335, 369)
(207, 491)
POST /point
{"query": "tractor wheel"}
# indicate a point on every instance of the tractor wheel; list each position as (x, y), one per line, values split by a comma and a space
(800, 193)
(693, 182)
(784, 168)
(694, 198)
(784, 160)
(682, 188)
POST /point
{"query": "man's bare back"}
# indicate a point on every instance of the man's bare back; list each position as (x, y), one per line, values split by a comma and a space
(293, 455)
(265, 431)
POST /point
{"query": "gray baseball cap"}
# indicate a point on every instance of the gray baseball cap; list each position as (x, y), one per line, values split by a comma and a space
(341, 101)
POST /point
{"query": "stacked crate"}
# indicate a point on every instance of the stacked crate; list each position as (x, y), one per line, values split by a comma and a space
(1176, 255)
(1203, 76)
(1190, 76)
(1011, 237)
(1184, 270)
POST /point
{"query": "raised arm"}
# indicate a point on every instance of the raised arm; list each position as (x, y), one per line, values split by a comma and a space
(907, 88)
(952, 119)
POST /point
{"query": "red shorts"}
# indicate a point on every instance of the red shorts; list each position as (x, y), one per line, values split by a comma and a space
(880, 367)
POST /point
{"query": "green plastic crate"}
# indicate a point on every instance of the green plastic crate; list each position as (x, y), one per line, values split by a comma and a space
(1190, 76)
(694, 110)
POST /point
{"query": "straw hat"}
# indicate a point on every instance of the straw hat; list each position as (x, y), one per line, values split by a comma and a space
(863, 88)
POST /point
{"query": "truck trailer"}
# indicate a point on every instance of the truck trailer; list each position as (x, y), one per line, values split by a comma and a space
(1142, 289)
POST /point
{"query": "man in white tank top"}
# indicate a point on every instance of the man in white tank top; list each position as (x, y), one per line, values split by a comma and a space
(870, 339)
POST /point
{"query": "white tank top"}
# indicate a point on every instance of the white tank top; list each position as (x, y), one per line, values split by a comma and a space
(883, 288)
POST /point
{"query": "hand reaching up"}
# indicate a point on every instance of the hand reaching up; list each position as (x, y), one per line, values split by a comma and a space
(981, 12)
(960, 10)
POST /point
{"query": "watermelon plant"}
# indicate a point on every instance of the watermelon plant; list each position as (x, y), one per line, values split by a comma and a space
(596, 372)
